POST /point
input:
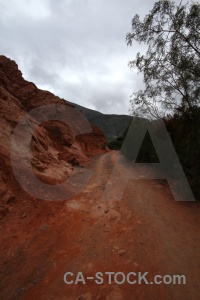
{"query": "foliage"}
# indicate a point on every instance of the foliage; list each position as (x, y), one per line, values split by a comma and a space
(114, 145)
(184, 130)
(171, 66)
(147, 153)
(118, 142)
(185, 135)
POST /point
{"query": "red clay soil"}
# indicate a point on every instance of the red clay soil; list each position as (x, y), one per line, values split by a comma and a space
(146, 231)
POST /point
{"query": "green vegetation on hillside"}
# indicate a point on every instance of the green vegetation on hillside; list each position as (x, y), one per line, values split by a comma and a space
(117, 143)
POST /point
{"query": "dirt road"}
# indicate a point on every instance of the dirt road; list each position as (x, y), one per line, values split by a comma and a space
(145, 231)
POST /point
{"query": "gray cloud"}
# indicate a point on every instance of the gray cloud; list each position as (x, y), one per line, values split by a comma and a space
(75, 48)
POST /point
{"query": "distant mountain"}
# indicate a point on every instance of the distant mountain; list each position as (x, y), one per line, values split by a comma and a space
(113, 126)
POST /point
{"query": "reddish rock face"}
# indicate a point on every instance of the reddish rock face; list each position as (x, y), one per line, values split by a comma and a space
(62, 140)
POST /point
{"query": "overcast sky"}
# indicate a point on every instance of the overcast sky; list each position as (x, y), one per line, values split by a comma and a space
(75, 48)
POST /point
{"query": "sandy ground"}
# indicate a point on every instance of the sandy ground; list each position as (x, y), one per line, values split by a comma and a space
(145, 231)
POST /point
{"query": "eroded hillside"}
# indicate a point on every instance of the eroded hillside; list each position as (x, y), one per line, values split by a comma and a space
(63, 142)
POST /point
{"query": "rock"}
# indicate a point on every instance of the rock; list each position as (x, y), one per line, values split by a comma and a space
(86, 296)
(8, 198)
(121, 252)
(139, 222)
(129, 215)
(44, 227)
(39, 165)
(3, 212)
(100, 297)
(116, 247)
(115, 295)
(36, 280)
(88, 267)
(10, 208)
(23, 215)
(2, 187)
(114, 215)
(106, 228)
(135, 264)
